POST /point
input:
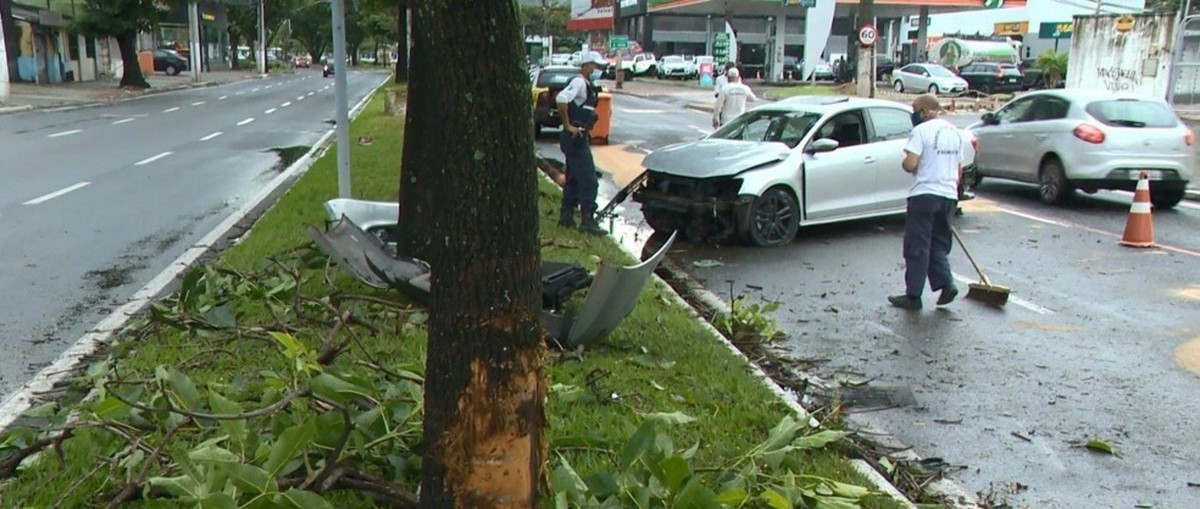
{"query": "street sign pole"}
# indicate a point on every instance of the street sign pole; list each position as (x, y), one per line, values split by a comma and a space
(194, 36)
(3, 67)
(341, 106)
(262, 38)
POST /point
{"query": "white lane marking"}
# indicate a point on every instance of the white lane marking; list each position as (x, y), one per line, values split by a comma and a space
(222, 98)
(198, 103)
(270, 111)
(240, 93)
(65, 133)
(168, 110)
(312, 93)
(255, 90)
(211, 136)
(1030, 217)
(149, 160)
(286, 104)
(268, 86)
(642, 112)
(1184, 203)
(247, 121)
(1011, 298)
(301, 98)
(122, 121)
(56, 194)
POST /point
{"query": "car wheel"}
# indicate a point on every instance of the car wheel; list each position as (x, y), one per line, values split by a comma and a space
(1053, 187)
(171, 70)
(774, 219)
(652, 72)
(933, 89)
(1166, 200)
(899, 86)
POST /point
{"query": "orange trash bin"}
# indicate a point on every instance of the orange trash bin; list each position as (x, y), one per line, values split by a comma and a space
(603, 125)
(146, 62)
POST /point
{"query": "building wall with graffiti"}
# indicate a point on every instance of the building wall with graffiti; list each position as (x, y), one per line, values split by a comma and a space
(1122, 53)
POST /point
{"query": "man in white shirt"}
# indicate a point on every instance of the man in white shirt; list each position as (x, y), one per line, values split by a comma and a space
(934, 156)
(722, 80)
(577, 109)
(731, 100)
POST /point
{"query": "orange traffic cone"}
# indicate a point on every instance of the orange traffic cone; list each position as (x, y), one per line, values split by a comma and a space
(1139, 229)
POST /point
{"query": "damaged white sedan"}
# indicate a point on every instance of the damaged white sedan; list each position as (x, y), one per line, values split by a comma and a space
(798, 162)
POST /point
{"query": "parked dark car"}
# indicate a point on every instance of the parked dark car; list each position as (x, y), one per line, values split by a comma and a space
(884, 67)
(992, 77)
(169, 61)
(791, 67)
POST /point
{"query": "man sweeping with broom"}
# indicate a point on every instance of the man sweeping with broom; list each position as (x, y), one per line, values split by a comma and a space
(934, 156)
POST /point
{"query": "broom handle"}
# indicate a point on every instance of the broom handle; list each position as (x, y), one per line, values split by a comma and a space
(963, 245)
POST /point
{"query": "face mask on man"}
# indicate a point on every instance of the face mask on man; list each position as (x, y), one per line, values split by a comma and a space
(917, 118)
(596, 74)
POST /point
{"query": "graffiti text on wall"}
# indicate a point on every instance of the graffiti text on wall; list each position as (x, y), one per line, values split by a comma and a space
(1116, 79)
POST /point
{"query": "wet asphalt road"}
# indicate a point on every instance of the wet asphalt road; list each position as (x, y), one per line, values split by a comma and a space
(1085, 349)
(96, 201)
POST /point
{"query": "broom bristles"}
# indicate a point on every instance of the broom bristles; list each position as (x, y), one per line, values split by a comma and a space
(992, 295)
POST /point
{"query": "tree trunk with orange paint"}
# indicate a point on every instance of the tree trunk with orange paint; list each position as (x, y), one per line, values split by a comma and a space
(484, 380)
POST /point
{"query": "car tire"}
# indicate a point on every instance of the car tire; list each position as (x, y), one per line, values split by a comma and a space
(1053, 186)
(933, 89)
(1166, 200)
(171, 70)
(899, 86)
(774, 219)
(652, 72)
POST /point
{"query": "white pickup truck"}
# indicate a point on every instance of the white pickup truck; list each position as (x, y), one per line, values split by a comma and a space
(676, 66)
(642, 64)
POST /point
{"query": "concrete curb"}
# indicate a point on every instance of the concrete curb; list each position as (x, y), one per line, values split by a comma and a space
(1192, 194)
(101, 335)
(15, 109)
(150, 93)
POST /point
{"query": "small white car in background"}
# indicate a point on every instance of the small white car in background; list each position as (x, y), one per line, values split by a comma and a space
(932, 78)
(675, 66)
(1067, 139)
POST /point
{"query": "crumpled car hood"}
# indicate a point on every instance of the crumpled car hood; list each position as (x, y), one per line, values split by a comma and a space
(714, 158)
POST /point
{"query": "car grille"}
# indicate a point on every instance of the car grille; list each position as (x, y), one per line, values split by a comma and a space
(722, 188)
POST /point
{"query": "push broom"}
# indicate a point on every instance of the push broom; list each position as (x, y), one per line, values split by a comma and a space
(983, 291)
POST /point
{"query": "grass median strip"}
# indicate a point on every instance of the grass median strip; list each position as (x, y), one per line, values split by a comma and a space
(273, 378)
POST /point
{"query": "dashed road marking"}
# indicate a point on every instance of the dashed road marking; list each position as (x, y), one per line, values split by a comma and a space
(198, 103)
(286, 104)
(65, 133)
(211, 136)
(47, 197)
(1030, 217)
(168, 110)
(270, 111)
(222, 98)
(300, 98)
(1011, 298)
(149, 160)
(255, 90)
(122, 121)
(247, 121)
(312, 93)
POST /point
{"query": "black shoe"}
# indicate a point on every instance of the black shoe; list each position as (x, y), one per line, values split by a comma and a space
(592, 228)
(905, 302)
(948, 295)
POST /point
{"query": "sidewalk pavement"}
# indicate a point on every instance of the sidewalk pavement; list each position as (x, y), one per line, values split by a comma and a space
(26, 96)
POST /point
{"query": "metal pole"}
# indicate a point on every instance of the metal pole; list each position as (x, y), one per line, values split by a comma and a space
(3, 66)
(194, 36)
(342, 109)
(262, 38)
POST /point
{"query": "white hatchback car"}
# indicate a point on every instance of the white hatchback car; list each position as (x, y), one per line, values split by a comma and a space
(932, 78)
(1069, 139)
(803, 161)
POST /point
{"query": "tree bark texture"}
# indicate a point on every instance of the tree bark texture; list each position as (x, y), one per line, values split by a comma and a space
(419, 189)
(402, 42)
(132, 75)
(235, 62)
(484, 379)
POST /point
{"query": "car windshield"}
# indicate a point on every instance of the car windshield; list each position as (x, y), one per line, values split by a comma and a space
(672, 60)
(787, 127)
(556, 78)
(1132, 113)
(940, 72)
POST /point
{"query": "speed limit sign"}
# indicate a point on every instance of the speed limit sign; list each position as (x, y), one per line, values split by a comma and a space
(867, 35)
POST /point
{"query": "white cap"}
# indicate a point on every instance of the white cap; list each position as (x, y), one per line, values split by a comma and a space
(733, 73)
(594, 57)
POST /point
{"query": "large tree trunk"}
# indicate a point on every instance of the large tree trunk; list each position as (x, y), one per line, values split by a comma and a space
(132, 77)
(419, 188)
(402, 43)
(484, 385)
(234, 42)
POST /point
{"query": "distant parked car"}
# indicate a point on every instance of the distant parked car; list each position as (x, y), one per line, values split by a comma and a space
(302, 61)
(169, 61)
(932, 78)
(992, 77)
(674, 66)
(884, 68)
(791, 68)
(547, 83)
(822, 71)
(560, 58)
(1064, 140)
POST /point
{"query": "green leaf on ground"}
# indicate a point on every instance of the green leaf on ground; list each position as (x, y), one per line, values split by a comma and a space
(670, 418)
(289, 446)
(1100, 446)
(249, 478)
(298, 499)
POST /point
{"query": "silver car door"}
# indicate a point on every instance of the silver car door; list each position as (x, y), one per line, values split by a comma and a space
(997, 142)
(1044, 119)
(842, 182)
(890, 128)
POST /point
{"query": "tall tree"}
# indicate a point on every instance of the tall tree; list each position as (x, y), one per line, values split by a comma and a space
(484, 388)
(311, 26)
(122, 20)
(356, 31)
(418, 183)
(243, 26)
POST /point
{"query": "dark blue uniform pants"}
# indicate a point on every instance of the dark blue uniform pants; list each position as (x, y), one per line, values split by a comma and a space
(582, 183)
(927, 243)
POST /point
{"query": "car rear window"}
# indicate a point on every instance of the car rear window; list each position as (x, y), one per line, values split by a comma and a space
(555, 79)
(1132, 113)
